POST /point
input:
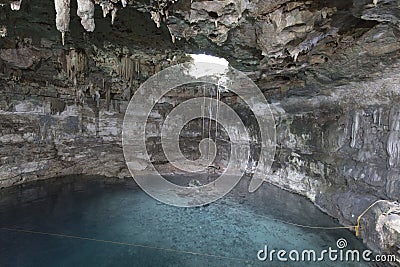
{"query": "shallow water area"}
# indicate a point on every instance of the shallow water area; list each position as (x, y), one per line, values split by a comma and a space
(95, 221)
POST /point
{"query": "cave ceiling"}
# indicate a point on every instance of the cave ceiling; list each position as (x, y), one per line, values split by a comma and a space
(290, 48)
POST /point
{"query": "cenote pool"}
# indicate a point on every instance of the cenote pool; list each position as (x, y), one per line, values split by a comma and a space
(107, 222)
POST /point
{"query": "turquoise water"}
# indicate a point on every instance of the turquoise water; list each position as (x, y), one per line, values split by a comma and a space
(229, 232)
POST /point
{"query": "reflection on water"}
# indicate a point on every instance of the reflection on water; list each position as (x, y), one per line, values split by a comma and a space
(226, 233)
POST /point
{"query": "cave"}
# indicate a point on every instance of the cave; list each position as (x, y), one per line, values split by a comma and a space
(200, 133)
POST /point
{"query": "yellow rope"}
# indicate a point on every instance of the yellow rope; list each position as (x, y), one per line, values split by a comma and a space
(305, 226)
(121, 243)
(317, 227)
(357, 227)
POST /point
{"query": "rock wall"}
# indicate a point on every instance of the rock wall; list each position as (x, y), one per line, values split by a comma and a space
(343, 155)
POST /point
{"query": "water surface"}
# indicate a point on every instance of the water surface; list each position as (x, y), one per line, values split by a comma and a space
(145, 232)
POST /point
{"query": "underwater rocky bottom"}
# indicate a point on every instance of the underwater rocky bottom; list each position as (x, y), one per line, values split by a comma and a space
(94, 221)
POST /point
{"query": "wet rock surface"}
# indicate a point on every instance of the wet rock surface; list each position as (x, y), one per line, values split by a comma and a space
(330, 70)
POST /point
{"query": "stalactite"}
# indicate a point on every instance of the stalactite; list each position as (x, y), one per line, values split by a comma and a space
(355, 128)
(92, 90)
(76, 64)
(79, 96)
(394, 119)
(393, 149)
(137, 67)
(43, 131)
(156, 17)
(160, 12)
(126, 68)
(62, 16)
(380, 117)
(377, 116)
(305, 46)
(86, 13)
(97, 98)
(16, 5)
(113, 15)
(86, 8)
(94, 93)
(80, 120)
(107, 7)
(310, 42)
(108, 95)
(172, 35)
(393, 142)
